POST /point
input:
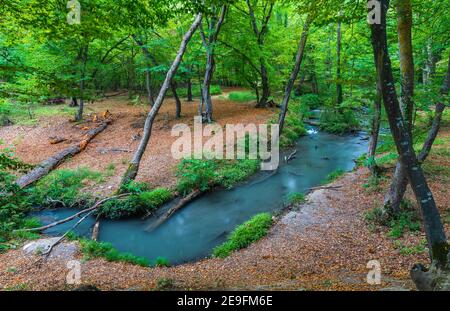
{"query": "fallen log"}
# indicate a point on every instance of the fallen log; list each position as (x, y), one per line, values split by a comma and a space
(173, 209)
(325, 188)
(87, 210)
(49, 164)
(291, 156)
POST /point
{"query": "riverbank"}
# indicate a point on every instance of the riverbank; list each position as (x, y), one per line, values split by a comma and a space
(324, 244)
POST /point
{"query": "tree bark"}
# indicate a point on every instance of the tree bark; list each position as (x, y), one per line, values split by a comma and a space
(189, 90)
(294, 74)
(404, 24)
(49, 164)
(376, 121)
(437, 241)
(133, 167)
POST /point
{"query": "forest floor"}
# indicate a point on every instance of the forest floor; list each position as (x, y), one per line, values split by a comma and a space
(323, 244)
(31, 142)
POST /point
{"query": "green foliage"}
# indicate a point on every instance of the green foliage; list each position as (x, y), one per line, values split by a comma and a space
(242, 96)
(136, 204)
(94, 249)
(162, 262)
(407, 250)
(407, 219)
(62, 187)
(374, 183)
(312, 101)
(195, 174)
(295, 198)
(244, 235)
(338, 122)
(292, 130)
(231, 172)
(165, 283)
(334, 176)
(134, 187)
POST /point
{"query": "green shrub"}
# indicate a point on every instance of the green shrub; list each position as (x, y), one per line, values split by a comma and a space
(242, 96)
(244, 235)
(182, 92)
(134, 187)
(292, 130)
(312, 101)
(136, 204)
(195, 174)
(338, 122)
(94, 249)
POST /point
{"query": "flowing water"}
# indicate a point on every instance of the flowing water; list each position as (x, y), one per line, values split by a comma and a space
(195, 230)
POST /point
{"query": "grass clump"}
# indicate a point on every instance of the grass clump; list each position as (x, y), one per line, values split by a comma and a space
(242, 96)
(295, 198)
(231, 172)
(94, 249)
(62, 187)
(162, 262)
(334, 176)
(244, 235)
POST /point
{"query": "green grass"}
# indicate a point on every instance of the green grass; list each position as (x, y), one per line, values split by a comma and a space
(336, 122)
(182, 92)
(94, 249)
(295, 198)
(24, 114)
(242, 96)
(333, 176)
(244, 235)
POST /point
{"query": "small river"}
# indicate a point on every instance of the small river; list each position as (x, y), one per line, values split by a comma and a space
(195, 230)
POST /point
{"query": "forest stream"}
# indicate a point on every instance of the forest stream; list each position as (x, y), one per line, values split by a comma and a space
(194, 231)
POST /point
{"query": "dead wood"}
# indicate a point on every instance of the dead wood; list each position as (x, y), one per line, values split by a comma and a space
(49, 164)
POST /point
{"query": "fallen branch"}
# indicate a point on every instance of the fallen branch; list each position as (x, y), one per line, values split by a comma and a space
(49, 164)
(291, 156)
(87, 210)
(173, 209)
(66, 233)
(325, 188)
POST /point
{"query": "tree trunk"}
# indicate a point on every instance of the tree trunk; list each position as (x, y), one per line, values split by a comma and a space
(376, 121)
(84, 56)
(209, 42)
(437, 241)
(189, 90)
(173, 86)
(338, 65)
(294, 74)
(148, 84)
(133, 167)
(265, 86)
(399, 181)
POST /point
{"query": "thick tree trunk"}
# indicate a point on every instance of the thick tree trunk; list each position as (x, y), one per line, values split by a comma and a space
(338, 65)
(399, 181)
(437, 241)
(206, 90)
(133, 167)
(173, 86)
(49, 164)
(265, 86)
(294, 74)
